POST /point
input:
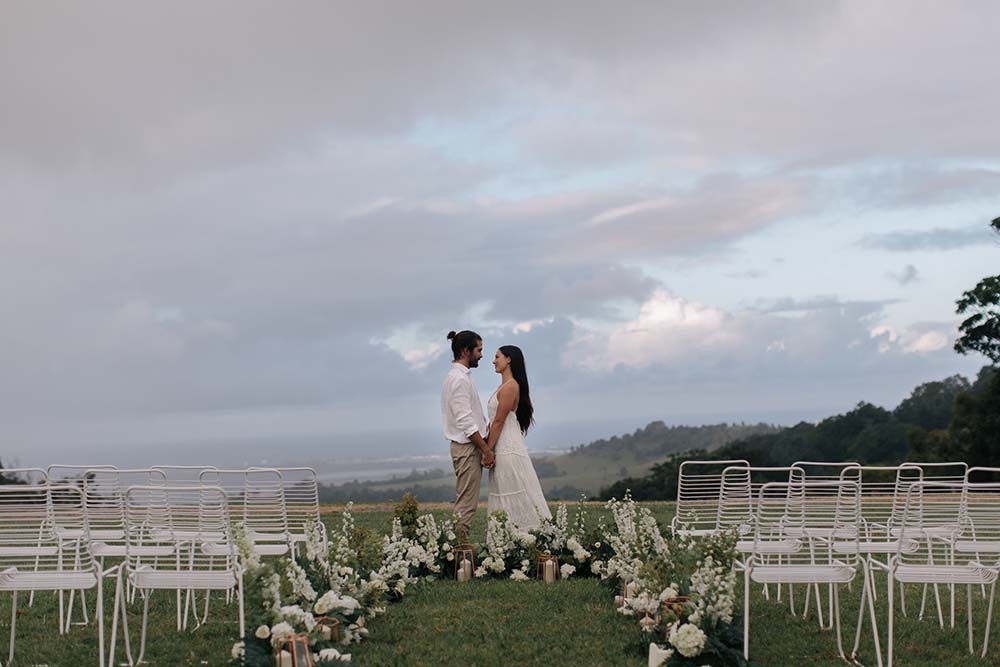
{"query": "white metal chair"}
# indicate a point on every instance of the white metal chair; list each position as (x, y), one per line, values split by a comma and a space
(256, 498)
(301, 493)
(699, 492)
(950, 535)
(813, 527)
(186, 544)
(36, 555)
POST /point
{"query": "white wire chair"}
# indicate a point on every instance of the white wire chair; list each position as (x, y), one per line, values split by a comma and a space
(301, 493)
(812, 525)
(699, 492)
(45, 546)
(178, 538)
(256, 499)
(950, 535)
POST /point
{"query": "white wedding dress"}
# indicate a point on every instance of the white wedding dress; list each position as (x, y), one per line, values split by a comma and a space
(514, 486)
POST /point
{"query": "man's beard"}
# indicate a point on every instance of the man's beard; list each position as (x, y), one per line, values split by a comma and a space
(473, 363)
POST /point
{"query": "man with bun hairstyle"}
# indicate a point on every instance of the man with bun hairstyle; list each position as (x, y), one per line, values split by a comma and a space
(465, 425)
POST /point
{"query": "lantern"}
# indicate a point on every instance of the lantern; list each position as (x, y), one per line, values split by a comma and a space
(294, 652)
(465, 562)
(673, 607)
(548, 568)
(329, 628)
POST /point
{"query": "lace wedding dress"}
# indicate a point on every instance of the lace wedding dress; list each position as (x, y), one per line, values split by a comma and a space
(514, 486)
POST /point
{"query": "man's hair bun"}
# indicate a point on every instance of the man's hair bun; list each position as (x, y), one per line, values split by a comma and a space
(451, 335)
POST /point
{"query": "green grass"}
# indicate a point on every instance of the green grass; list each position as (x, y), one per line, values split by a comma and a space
(507, 623)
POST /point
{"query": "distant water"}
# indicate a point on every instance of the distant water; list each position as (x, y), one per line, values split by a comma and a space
(337, 458)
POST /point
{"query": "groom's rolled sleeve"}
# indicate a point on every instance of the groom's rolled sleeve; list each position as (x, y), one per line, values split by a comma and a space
(461, 405)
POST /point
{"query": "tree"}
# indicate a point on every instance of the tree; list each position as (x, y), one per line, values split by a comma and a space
(981, 329)
(930, 404)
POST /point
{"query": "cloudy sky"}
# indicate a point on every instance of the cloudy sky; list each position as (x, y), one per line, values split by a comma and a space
(226, 220)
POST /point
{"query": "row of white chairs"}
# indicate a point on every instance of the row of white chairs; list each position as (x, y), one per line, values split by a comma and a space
(921, 523)
(166, 527)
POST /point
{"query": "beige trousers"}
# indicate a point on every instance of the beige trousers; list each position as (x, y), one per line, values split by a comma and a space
(468, 463)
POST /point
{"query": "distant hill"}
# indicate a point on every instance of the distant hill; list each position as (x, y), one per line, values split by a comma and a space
(584, 469)
(929, 425)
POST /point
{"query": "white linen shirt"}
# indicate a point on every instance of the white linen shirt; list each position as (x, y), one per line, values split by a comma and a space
(461, 410)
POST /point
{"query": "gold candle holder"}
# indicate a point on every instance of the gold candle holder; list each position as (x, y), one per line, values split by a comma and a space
(329, 628)
(465, 562)
(294, 652)
(548, 568)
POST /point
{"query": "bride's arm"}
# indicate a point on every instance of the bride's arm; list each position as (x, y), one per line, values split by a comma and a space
(506, 398)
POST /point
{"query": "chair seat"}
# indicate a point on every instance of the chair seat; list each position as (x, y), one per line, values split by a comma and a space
(978, 546)
(788, 546)
(270, 549)
(135, 550)
(173, 579)
(971, 573)
(802, 574)
(47, 581)
(29, 551)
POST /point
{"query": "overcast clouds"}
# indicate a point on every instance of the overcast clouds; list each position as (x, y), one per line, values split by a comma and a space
(257, 218)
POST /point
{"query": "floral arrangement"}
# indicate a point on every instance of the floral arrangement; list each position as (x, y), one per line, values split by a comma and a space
(681, 591)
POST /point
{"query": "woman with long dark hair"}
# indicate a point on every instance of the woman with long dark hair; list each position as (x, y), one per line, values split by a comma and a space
(514, 486)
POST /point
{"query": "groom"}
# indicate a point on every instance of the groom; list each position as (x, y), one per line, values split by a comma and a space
(465, 425)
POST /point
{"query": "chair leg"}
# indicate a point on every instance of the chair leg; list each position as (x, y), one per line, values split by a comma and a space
(861, 612)
(835, 610)
(989, 618)
(746, 612)
(13, 624)
(100, 619)
(892, 609)
(145, 623)
(243, 630)
(871, 611)
(968, 592)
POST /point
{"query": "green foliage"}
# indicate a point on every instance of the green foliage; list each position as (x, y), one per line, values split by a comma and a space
(930, 404)
(407, 510)
(975, 428)
(981, 329)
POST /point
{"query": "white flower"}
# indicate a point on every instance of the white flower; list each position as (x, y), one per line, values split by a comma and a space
(689, 640)
(572, 544)
(480, 572)
(281, 632)
(519, 575)
(597, 566)
(263, 632)
(567, 570)
(331, 654)
(237, 651)
(647, 623)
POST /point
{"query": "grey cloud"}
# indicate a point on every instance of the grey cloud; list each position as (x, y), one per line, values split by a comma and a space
(908, 275)
(939, 238)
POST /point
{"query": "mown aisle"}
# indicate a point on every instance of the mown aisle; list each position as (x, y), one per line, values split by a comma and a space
(503, 623)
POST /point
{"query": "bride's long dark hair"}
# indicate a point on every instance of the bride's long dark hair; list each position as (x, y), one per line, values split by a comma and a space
(525, 413)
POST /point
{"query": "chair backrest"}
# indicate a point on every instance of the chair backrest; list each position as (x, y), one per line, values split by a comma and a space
(190, 521)
(104, 495)
(980, 523)
(740, 491)
(69, 471)
(822, 528)
(34, 519)
(301, 492)
(883, 498)
(699, 492)
(256, 498)
(23, 476)
(182, 475)
(932, 521)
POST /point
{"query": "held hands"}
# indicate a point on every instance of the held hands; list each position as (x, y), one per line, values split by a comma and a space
(489, 459)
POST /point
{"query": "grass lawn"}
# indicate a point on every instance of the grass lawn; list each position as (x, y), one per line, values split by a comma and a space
(508, 623)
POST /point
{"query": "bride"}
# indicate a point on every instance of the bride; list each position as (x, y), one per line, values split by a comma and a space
(514, 486)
